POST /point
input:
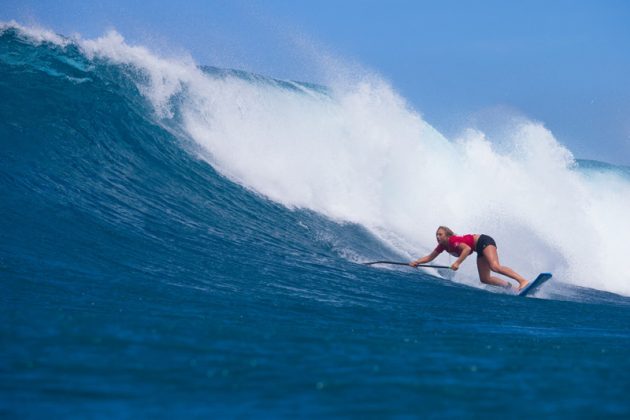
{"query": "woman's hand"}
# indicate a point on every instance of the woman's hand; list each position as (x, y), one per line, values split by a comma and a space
(414, 263)
(455, 266)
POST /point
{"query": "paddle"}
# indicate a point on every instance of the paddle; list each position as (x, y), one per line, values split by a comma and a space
(407, 264)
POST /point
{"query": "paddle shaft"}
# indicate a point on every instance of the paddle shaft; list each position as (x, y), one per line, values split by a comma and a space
(407, 264)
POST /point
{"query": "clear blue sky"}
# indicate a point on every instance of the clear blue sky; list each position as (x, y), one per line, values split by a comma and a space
(565, 63)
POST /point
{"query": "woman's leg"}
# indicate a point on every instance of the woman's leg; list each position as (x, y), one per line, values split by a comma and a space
(483, 267)
(492, 258)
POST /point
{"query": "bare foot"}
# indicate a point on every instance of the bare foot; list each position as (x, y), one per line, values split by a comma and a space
(522, 285)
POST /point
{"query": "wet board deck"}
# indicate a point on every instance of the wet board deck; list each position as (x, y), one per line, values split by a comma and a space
(535, 285)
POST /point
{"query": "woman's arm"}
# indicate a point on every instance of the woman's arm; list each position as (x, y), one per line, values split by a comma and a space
(425, 259)
(465, 251)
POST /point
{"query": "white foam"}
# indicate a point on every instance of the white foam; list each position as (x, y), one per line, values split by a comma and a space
(363, 156)
(35, 34)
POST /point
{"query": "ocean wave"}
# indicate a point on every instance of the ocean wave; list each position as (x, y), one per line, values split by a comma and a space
(112, 131)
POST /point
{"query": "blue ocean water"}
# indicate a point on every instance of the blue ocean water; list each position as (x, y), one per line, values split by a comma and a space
(140, 280)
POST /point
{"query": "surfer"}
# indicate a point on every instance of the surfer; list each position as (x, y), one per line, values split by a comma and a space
(487, 257)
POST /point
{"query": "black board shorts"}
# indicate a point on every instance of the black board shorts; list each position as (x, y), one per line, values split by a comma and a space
(482, 243)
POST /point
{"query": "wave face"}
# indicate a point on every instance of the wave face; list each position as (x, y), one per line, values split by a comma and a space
(153, 207)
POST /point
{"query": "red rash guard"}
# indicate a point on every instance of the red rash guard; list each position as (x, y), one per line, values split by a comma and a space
(453, 243)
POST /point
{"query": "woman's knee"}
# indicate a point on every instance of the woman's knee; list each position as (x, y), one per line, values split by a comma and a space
(485, 279)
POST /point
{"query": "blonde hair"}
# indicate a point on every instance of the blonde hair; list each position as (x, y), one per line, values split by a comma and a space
(447, 230)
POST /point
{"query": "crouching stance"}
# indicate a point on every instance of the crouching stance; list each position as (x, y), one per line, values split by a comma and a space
(487, 257)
